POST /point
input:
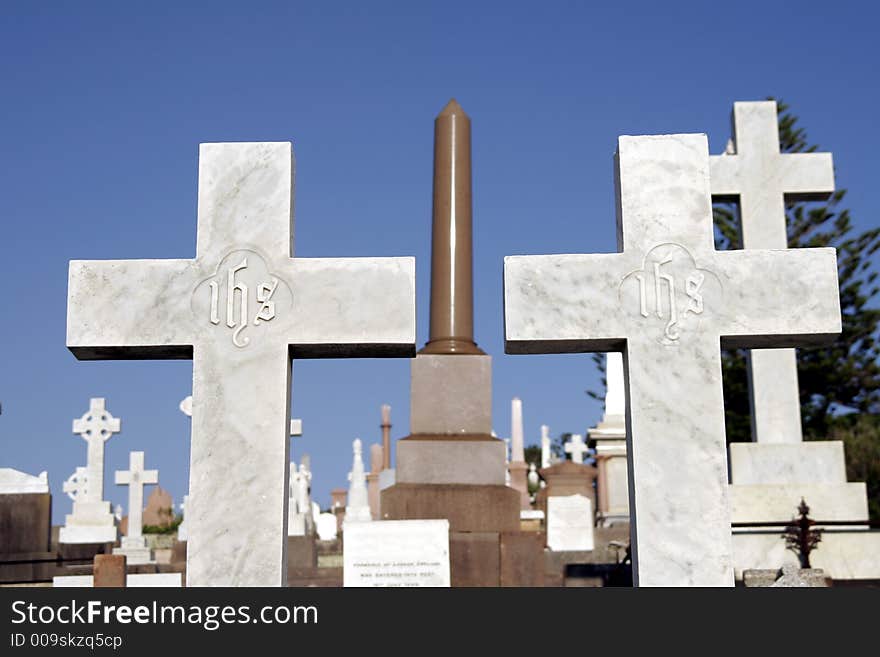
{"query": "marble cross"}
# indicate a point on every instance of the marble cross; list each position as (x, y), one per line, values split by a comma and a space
(669, 300)
(762, 179)
(136, 478)
(577, 448)
(186, 407)
(96, 427)
(241, 310)
(77, 484)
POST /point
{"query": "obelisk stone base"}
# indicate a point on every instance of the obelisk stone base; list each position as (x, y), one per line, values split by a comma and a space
(451, 394)
(468, 508)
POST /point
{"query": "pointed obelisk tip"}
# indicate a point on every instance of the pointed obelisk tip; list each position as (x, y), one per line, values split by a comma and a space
(452, 109)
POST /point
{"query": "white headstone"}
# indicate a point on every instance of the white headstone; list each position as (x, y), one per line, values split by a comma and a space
(240, 309)
(396, 553)
(134, 546)
(545, 446)
(763, 179)
(16, 482)
(77, 484)
(577, 448)
(92, 520)
(668, 300)
(569, 523)
(357, 508)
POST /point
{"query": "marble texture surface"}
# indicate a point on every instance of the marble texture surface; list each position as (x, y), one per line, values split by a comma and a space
(842, 554)
(667, 300)
(779, 502)
(569, 523)
(761, 179)
(812, 462)
(16, 482)
(397, 553)
(241, 309)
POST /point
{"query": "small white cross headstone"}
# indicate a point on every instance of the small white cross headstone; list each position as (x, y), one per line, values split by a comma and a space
(92, 520)
(577, 448)
(669, 300)
(76, 484)
(762, 179)
(133, 544)
(96, 427)
(241, 309)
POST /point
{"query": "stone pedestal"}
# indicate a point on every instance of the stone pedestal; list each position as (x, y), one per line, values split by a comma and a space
(135, 550)
(564, 479)
(768, 481)
(25, 522)
(518, 481)
(451, 467)
(612, 485)
(90, 522)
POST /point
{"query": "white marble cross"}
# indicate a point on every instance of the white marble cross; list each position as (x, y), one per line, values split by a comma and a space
(77, 484)
(96, 427)
(762, 179)
(186, 407)
(136, 478)
(668, 301)
(577, 448)
(241, 310)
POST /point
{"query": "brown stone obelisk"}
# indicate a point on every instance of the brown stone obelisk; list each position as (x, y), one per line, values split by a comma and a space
(450, 466)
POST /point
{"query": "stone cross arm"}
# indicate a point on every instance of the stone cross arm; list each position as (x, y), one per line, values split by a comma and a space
(123, 477)
(129, 309)
(775, 298)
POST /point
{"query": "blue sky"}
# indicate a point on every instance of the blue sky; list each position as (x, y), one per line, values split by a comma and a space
(104, 105)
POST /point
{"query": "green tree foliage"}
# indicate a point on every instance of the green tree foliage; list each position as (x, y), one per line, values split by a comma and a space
(845, 375)
(532, 454)
(860, 434)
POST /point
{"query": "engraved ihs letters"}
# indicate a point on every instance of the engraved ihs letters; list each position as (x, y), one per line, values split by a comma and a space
(237, 296)
(668, 288)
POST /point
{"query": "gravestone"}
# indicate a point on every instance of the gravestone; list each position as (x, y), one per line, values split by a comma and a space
(610, 440)
(241, 310)
(134, 547)
(25, 513)
(91, 520)
(771, 474)
(450, 466)
(569, 523)
(397, 553)
(358, 507)
(668, 301)
(577, 448)
(517, 467)
(762, 179)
